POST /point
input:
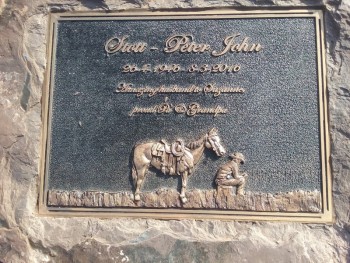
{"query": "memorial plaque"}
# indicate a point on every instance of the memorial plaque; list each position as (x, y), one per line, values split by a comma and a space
(210, 114)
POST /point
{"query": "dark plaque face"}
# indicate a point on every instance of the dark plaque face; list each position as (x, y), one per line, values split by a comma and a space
(173, 115)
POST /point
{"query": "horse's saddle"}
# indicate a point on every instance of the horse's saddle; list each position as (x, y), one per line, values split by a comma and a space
(177, 148)
(158, 149)
(174, 158)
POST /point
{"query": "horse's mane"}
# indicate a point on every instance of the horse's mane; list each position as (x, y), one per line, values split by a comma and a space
(195, 144)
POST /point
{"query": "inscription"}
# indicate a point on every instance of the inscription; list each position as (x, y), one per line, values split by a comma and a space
(174, 68)
(195, 108)
(182, 44)
(231, 45)
(209, 89)
(115, 44)
(191, 109)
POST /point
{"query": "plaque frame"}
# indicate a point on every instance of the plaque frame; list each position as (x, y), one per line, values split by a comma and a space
(326, 216)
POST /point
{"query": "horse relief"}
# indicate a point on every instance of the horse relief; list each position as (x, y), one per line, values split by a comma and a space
(177, 159)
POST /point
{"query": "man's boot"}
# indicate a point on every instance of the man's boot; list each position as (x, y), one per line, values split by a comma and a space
(240, 188)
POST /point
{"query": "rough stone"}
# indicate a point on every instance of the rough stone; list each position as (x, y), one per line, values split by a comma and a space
(26, 236)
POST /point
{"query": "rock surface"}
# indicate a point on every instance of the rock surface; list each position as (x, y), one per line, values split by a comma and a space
(27, 237)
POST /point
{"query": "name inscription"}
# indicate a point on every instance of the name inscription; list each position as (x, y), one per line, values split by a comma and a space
(183, 43)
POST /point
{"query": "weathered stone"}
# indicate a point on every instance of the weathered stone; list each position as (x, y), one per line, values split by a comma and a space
(27, 237)
(13, 246)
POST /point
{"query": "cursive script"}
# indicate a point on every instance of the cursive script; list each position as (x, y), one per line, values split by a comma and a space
(115, 44)
(191, 89)
(184, 43)
(190, 110)
(195, 108)
(240, 46)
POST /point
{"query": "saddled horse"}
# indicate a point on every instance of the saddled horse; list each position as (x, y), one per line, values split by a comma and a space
(143, 158)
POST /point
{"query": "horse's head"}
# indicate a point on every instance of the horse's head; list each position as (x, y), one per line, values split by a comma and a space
(213, 142)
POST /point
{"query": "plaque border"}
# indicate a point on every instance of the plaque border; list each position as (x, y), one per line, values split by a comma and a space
(326, 216)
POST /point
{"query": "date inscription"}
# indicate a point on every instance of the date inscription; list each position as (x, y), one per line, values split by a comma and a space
(175, 68)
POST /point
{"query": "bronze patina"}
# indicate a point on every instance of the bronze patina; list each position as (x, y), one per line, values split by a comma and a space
(154, 101)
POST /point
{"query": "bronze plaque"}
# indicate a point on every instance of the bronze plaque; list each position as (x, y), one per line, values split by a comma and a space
(212, 114)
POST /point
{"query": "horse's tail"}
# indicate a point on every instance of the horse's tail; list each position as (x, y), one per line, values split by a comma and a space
(134, 172)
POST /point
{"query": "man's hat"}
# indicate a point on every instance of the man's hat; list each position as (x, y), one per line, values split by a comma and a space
(238, 156)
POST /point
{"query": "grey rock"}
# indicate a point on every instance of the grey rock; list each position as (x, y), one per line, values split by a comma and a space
(26, 236)
(13, 246)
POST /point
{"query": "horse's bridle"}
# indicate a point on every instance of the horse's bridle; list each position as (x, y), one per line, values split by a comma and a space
(212, 143)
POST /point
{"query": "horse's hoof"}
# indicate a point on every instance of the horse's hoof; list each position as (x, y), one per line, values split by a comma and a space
(137, 197)
(184, 199)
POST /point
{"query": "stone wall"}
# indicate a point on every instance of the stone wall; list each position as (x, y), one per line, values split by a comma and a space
(27, 237)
